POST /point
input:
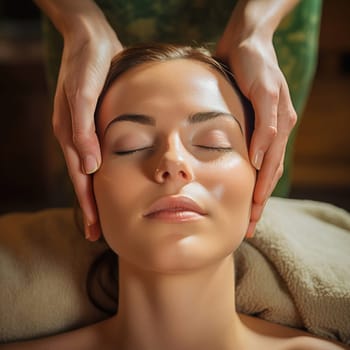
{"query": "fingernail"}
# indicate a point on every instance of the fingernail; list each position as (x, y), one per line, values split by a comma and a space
(251, 230)
(249, 235)
(87, 232)
(90, 164)
(92, 232)
(258, 159)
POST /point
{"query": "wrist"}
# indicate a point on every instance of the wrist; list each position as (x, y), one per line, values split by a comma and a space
(88, 27)
(257, 19)
(72, 18)
(247, 22)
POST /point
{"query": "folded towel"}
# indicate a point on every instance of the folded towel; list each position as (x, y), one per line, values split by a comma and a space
(44, 261)
(296, 271)
(306, 245)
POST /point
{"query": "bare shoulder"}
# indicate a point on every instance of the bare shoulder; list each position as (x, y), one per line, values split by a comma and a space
(87, 338)
(287, 338)
(311, 343)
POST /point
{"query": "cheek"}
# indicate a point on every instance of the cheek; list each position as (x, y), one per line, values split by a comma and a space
(111, 186)
(116, 191)
(232, 187)
(231, 181)
(235, 186)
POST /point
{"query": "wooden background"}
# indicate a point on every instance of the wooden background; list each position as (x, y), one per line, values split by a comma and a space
(322, 151)
(30, 157)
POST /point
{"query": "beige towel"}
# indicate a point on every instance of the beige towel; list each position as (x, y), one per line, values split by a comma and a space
(43, 265)
(296, 271)
(308, 244)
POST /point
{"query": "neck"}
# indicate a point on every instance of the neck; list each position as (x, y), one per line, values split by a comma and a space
(190, 310)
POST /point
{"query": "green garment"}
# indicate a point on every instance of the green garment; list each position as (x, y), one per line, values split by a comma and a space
(201, 22)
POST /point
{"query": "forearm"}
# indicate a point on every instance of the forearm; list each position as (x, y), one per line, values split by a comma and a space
(72, 16)
(258, 17)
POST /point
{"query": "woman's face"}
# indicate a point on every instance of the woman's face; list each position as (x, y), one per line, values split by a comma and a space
(175, 187)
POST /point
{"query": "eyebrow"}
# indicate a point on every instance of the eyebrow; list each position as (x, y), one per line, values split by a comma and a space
(194, 118)
(132, 117)
(204, 116)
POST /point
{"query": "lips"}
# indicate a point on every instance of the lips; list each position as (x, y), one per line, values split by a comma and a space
(175, 208)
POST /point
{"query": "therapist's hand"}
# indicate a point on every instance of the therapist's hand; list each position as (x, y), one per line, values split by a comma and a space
(254, 64)
(89, 46)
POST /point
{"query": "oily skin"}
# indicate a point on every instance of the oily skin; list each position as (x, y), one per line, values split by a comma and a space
(221, 181)
(176, 279)
(164, 267)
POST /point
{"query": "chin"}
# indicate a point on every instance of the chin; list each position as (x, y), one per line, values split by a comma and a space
(168, 248)
(176, 254)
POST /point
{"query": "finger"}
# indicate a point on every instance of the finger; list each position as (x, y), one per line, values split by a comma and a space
(84, 191)
(265, 104)
(287, 117)
(251, 229)
(255, 215)
(81, 182)
(82, 95)
(257, 209)
(272, 168)
(82, 109)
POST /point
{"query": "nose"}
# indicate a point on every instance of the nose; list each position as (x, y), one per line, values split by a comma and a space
(173, 167)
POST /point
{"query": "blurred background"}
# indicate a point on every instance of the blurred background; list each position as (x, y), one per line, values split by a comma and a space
(30, 158)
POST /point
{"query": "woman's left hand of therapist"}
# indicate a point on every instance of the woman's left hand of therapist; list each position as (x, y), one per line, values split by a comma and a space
(256, 70)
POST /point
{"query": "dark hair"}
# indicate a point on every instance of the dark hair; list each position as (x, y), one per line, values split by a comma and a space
(107, 264)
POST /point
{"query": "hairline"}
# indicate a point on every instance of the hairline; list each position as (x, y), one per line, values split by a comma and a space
(163, 53)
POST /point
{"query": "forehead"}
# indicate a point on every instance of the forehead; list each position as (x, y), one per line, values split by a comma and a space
(166, 88)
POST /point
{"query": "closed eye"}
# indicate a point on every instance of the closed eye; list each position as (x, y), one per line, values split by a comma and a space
(212, 148)
(131, 151)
